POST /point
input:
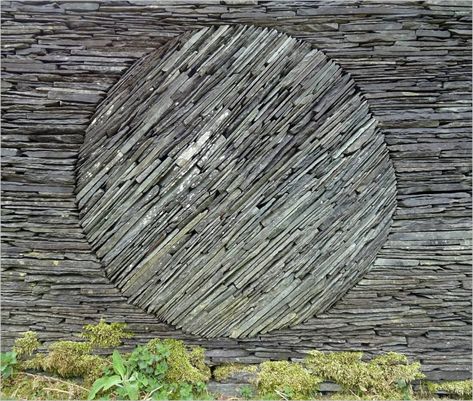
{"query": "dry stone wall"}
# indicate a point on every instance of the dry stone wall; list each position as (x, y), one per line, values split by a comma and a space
(409, 61)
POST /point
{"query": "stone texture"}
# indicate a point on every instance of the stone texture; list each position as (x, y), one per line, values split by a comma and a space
(418, 89)
(267, 201)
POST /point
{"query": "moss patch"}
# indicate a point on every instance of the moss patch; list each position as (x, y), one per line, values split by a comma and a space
(288, 380)
(455, 389)
(69, 359)
(386, 376)
(27, 344)
(36, 387)
(105, 335)
(65, 358)
(184, 365)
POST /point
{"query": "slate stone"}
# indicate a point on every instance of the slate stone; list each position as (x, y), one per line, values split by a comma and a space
(430, 72)
(202, 306)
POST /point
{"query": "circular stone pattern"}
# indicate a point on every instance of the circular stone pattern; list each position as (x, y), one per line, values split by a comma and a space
(233, 182)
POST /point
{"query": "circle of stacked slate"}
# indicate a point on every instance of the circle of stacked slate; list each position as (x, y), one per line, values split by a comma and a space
(233, 182)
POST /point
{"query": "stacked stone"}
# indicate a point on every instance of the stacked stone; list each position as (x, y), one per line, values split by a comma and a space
(234, 183)
(411, 61)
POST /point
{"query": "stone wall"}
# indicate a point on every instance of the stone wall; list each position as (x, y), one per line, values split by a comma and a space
(411, 61)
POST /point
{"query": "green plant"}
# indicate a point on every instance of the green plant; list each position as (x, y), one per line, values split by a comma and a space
(386, 376)
(148, 362)
(121, 381)
(7, 364)
(27, 344)
(105, 335)
(185, 392)
(288, 380)
(246, 392)
(152, 372)
(186, 372)
(162, 370)
(91, 367)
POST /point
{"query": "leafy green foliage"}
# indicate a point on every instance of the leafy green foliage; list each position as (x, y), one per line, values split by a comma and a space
(119, 380)
(144, 361)
(386, 376)
(92, 367)
(27, 344)
(7, 363)
(105, 335)
(145, 374)
(289, 380)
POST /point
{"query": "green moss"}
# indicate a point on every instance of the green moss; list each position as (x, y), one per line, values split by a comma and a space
(105, 335)
(223, 372)
(74, 347)
(27, 344)
(65, 358)
(455, 389)
(288, 380)
(92, 367)
(184, 365)
(197, 360)
(34, 363)
(270, 397)
(25, 386)
(69, 359)
(386, 376)
(343, 368)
